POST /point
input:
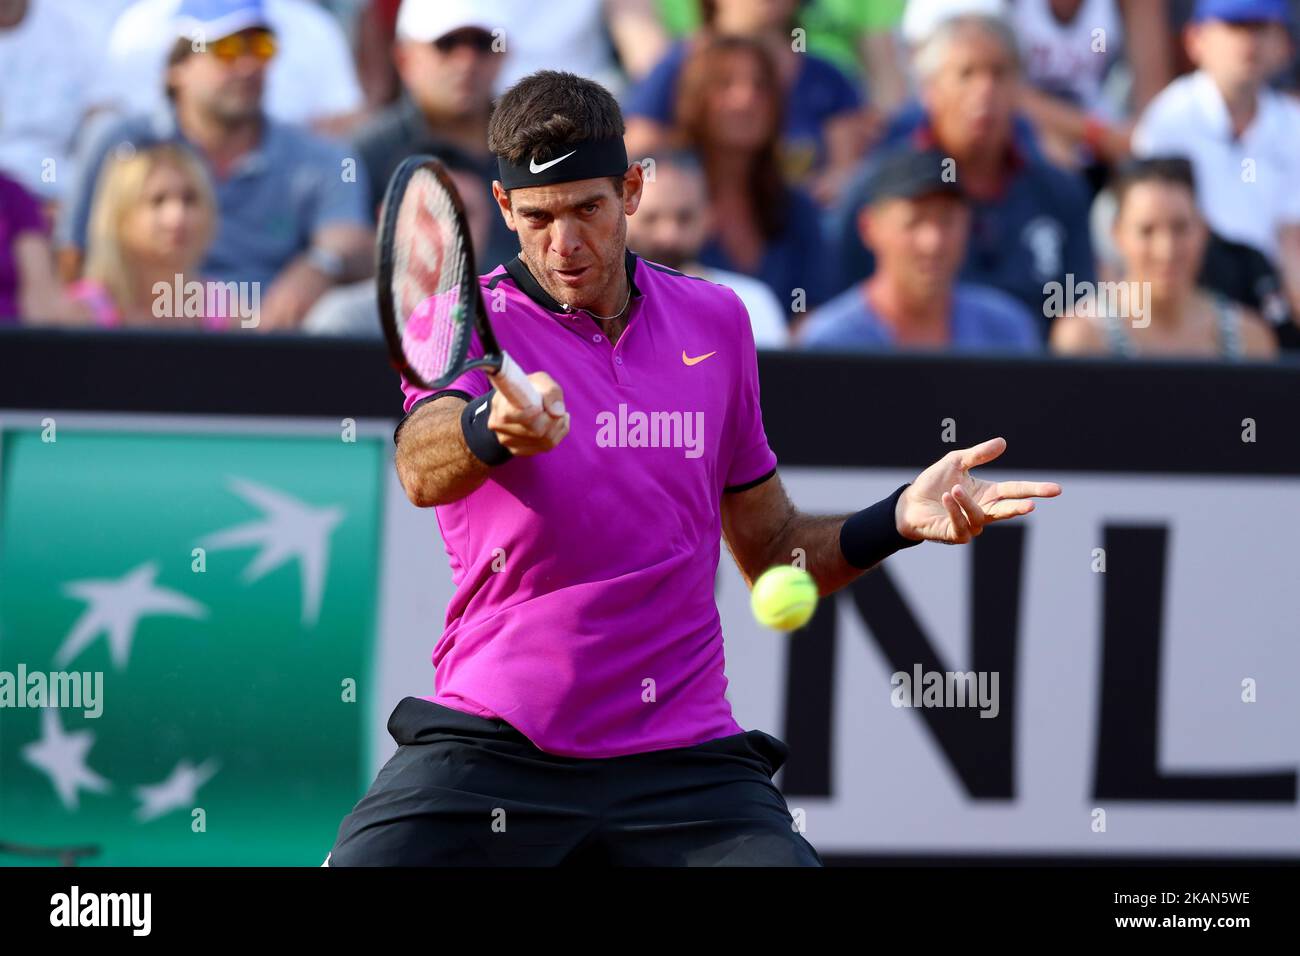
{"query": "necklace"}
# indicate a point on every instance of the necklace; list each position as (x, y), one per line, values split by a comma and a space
(611, 318)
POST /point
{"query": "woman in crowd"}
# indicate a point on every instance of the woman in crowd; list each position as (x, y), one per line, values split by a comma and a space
(823, 128)
(152, 222)
(729, 112)
(1160, 238)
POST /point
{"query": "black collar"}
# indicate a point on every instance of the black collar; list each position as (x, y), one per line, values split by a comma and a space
(533, 289)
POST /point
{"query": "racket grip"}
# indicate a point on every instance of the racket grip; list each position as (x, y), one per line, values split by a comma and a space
(511, 382)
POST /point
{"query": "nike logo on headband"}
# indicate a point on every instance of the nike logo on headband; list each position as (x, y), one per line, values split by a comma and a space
(535, 168)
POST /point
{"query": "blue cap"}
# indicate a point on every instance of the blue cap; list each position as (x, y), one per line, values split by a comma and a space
(215, 19)
(1242, 11)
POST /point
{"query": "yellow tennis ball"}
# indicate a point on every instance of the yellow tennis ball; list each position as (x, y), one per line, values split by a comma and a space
(784, 597)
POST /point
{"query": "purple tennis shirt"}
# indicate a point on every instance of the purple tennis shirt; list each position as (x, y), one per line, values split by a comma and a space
(584, 613)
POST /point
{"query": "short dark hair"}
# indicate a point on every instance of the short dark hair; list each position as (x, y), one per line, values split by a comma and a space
(1172, 170)
(548, 110)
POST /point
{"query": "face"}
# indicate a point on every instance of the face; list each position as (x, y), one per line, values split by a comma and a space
(227, 88)
(1161, 237)
(672, 222)
(920, 243)
(451, 78)
(170, 225)
(741, 106)
(1238, 54)
(751, 17)
(970, 99)
(573, 235)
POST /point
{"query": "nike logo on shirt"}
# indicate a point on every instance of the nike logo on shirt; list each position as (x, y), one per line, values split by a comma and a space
(686, 360)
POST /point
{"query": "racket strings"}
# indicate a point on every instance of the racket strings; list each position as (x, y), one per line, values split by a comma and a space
(430, 280)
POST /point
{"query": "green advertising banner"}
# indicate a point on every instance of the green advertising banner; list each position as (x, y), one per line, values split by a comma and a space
(223, 587)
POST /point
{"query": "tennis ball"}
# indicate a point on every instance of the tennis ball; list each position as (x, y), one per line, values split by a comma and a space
(784, 597)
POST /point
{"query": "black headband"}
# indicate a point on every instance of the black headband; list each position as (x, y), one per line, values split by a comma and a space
(590, 159)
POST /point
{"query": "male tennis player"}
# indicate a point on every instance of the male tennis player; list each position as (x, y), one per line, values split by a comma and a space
(580, 712)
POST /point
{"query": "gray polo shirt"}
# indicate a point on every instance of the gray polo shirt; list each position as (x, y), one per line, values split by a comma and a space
(270, 206)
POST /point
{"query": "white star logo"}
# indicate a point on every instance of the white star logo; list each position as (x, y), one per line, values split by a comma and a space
(177, 791)
(116, 607)
(290, 529)
(62, 758)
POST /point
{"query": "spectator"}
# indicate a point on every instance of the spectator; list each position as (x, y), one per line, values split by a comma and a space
(28, 287)
(670, 227)
(376, 29)
(1069, 48)
(1029, 220)
(581, 37)
(292, 207)
(729, 113)
(1243, 138)
(823, 130)
(153, 220)
(916, 222)
(311, 80)
(354, 309)
(1161, 238)
(49, 83)
(859, 38)
(445, 57)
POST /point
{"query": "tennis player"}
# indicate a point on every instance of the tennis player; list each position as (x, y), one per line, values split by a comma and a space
(580, 713)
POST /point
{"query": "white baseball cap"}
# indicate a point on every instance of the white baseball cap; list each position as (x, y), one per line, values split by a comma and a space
(426, 20)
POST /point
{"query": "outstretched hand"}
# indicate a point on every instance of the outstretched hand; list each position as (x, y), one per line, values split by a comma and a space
(946, 503)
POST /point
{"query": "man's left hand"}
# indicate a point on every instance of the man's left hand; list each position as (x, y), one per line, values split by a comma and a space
(946, 503)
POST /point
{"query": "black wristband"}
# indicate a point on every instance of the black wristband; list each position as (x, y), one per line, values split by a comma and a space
(482, 441)
(871, 535)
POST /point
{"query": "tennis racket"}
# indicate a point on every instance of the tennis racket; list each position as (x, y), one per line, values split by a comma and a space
(430, 304)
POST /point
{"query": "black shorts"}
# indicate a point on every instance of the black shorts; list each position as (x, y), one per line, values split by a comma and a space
(472, 791)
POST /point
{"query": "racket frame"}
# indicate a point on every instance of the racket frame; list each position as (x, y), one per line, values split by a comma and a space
(506, 374)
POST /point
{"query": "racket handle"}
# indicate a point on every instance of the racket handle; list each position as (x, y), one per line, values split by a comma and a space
(511, 382)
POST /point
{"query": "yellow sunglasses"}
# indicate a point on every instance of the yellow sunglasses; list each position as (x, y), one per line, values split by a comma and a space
(259, 43)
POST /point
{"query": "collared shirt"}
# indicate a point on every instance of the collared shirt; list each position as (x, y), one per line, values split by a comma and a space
(981, 319)
(584, 612)
(1249, 186)
(269, 206)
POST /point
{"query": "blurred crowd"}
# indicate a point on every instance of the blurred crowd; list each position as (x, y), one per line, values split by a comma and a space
(1117, 177)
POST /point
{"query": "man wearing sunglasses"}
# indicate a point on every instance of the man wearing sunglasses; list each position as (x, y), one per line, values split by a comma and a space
(311, 80)
(292, 214)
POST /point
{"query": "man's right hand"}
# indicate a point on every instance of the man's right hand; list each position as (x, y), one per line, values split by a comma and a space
(530, 431)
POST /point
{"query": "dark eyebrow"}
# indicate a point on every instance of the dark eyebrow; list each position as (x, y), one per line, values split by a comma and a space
(524, 210)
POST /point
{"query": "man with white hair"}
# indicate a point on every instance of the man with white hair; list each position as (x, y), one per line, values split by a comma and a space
(1029, 219)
